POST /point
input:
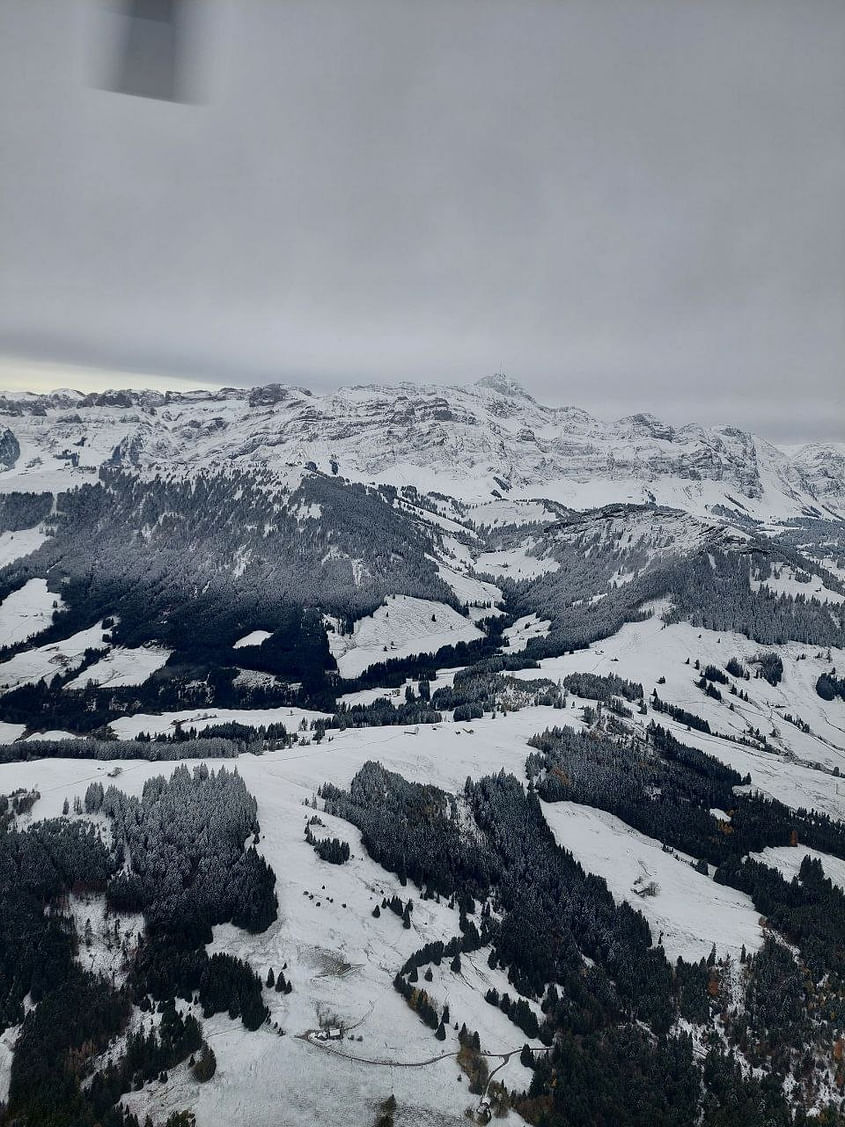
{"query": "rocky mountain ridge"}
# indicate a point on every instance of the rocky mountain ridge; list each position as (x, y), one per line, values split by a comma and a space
(472, 443)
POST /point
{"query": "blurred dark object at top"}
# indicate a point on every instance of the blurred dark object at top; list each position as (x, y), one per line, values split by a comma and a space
(149, 50)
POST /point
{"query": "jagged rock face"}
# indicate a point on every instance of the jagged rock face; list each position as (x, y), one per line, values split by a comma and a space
(10, 449)
(820, 467)
(268, 396)
(647, 426)
(463, 442)
(128, 451)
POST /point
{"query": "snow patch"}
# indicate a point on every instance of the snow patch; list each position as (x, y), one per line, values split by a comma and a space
(10, 732)
(516, 563)
(524, 629)
(53, 734)
(16, 545)
(402, 627)
(27, 612)
(128, 727)
(123, 667)
(45, 661)
(253, 638)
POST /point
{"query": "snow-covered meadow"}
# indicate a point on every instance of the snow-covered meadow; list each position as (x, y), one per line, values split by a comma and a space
(43, 662)
(686, 910)
(401, 627)
(27, 611)
(122, 666)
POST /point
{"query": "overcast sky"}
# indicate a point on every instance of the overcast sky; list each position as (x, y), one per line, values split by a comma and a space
(627, 206)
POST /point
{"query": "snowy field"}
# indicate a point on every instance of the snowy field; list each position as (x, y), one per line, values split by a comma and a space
(516, 563)
(471, 590)
(52, 734)
(122, 666)
(340, 959)
(396, 696)
(27, 611)
(165, 723)
(508, 511)
(689, 910)
(785, 583)
(401, 627)
(524, 629)
(16, 545)
(797, 767)
(43, 662)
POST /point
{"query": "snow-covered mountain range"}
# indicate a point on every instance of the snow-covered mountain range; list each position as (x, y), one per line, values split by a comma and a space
(471, 443)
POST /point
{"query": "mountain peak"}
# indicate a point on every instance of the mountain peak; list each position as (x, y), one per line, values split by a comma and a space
(504, 385)
(646, 424)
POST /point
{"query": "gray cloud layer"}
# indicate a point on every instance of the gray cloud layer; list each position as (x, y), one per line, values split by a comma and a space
(633, 205)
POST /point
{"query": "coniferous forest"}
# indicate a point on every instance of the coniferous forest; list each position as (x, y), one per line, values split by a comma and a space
(177, 856)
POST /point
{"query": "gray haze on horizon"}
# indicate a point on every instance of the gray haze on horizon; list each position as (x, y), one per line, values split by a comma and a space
(628, 206)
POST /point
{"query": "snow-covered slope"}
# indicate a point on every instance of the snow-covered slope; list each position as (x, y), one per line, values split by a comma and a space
(26, 612)
(683, 908)
(43, 662)
(471, 443)
(403, 626)
(122, 667)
